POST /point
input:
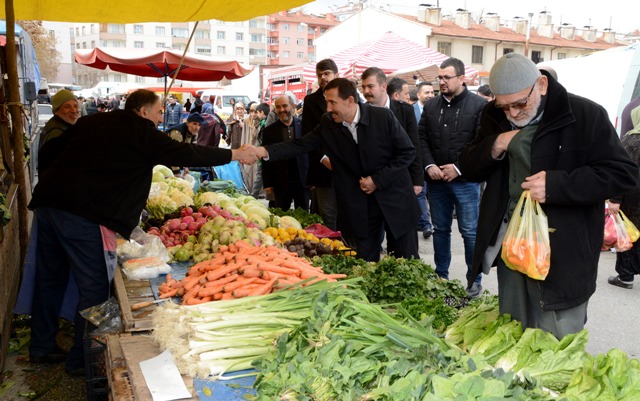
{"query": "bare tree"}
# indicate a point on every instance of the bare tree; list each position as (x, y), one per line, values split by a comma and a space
(45, 46)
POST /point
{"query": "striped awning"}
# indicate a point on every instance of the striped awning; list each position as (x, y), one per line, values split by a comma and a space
(390, 53)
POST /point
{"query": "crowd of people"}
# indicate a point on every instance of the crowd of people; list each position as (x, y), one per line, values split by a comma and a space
(379, 159)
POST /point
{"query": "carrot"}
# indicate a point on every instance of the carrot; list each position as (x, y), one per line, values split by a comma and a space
(169, 278)
(241, 244)
(277, 269)
(335, 276)
(210, 291)
(169, 294)
(263, 289)
(216, 274)
(218, 296)
(189, 282)
(223, 248)
(238, 283)
(233, 248)
(226, 295)
(196, 301)
(222, 281)
(191, 293)
(244, 291)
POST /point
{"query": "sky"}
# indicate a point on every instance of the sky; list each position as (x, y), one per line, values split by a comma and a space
(599, 14)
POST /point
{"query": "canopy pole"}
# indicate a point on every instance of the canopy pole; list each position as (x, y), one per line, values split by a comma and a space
(166, 90)
(16, 128)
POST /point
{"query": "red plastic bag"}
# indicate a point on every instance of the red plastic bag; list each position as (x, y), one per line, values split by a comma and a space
(610, 234)
(321, 231)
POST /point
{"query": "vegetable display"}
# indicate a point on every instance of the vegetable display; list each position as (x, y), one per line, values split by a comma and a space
(227, 336)
(241, 270)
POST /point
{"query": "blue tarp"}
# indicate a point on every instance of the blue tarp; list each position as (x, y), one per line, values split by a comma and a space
(28, 68)
(231, 172)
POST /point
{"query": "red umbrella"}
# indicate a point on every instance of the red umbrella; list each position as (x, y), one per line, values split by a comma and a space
(160, 63)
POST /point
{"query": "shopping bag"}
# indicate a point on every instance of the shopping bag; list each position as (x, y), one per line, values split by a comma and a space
(526, 247)
(632, 230)
(610, 234)
(623, 242)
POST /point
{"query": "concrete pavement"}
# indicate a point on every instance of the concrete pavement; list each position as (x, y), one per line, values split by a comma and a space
(613, 313)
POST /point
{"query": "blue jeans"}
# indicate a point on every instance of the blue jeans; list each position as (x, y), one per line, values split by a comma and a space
(67, 244)
(424, 221)
(442, 198)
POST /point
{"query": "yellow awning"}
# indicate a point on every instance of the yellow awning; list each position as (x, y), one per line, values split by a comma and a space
(127, 11)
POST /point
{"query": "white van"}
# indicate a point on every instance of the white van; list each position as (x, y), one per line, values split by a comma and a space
(222, 99)
(610, 77)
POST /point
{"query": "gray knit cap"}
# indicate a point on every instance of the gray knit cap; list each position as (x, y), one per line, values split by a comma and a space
(512, 73)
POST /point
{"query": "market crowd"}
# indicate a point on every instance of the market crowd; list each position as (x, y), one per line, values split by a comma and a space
(377, 158)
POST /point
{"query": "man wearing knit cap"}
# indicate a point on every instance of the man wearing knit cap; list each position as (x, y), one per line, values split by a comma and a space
(64, 105)
(562, 148)
(187, 132)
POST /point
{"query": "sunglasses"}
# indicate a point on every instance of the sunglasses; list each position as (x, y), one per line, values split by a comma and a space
(518, 105)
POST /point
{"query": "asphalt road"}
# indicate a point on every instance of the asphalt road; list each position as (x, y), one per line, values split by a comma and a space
(612, 311)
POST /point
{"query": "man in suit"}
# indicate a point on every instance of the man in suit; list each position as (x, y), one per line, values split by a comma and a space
(424, 91)
(370, 156)
(319, 175)
(286, 177)
(376, 90)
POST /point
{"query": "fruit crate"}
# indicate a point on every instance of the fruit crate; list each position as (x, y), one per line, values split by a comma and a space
(96, 380)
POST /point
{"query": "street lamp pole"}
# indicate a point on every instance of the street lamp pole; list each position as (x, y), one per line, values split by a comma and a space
(528, 37)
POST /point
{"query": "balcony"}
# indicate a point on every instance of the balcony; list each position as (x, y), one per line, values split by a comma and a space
(113, 36)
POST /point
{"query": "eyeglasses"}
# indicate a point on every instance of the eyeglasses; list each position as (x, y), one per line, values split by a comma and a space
(446, 78)
(518, 105)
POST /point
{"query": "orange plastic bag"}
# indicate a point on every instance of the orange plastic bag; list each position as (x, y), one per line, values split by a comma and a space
(526, 247)
(610, 232)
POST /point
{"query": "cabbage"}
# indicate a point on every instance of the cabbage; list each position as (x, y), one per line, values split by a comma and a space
(158, 206)
(206, 197)
(262, 223)
(166, 171)
(256, 210)
(288, 221)
(235, 211)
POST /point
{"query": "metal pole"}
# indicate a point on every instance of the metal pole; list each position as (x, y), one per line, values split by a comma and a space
(15, 106)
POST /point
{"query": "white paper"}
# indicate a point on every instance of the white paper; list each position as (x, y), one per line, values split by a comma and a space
(163, 378)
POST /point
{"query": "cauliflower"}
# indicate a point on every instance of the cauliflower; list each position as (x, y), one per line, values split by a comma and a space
(159, 205)
(180, 198)
(206, 197)
(183, 185)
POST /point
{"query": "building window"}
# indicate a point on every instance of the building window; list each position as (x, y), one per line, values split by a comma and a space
(160, 45)
(77, 45)
(272, 41)
(253, 23)
(159, 31)
(92, 29)
(118, 43)
(299, 55)
(300, 42)
(271, 27)
(285, 40)
(300, 28)
(221, 51)
(112, 28)
(201, 34)
(93, 44)
(160, 80)
(220, 35)
(180, 32)
(77, 31)
(285, 27)
(444, 48)
(562, 56)
(239, 36)
(257, 52)
(239, 51)
(536, 57)
(507, 50)
(84, 45)
(117, 78)
(138, 44)
(138, 29)
(476, 54)
(285, 54)
(103, 43)
(310, 42)
(176, 46)
(258, 38)
(139, 80)
(84, 31)
(203, 49)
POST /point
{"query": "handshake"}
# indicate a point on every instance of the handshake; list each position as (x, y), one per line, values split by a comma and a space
(249, 154)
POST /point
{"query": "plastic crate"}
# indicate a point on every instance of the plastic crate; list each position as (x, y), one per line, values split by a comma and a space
(95, 367)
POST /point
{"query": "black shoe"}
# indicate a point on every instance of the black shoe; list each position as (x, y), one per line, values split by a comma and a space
(57, 356)
(474, 290)
(426, 234)
(615, 280)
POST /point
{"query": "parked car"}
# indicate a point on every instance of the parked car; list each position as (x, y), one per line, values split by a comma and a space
(45, 112)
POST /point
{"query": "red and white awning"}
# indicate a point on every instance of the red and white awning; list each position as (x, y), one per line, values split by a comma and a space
(391, 53)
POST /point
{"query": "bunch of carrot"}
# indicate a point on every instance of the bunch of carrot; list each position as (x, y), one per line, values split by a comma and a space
(240, 270)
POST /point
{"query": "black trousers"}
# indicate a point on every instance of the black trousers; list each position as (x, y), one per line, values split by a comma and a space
(295, 193)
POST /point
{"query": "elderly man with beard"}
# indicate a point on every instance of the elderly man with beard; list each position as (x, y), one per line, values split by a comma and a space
(286, 177)
(562, 148)
(66, 112)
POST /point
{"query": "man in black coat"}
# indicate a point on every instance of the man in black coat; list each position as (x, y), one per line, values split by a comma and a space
(285, 177)
(448, 123)
(562, 148)
(319, 175)
(370, 154)
(374, 89)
